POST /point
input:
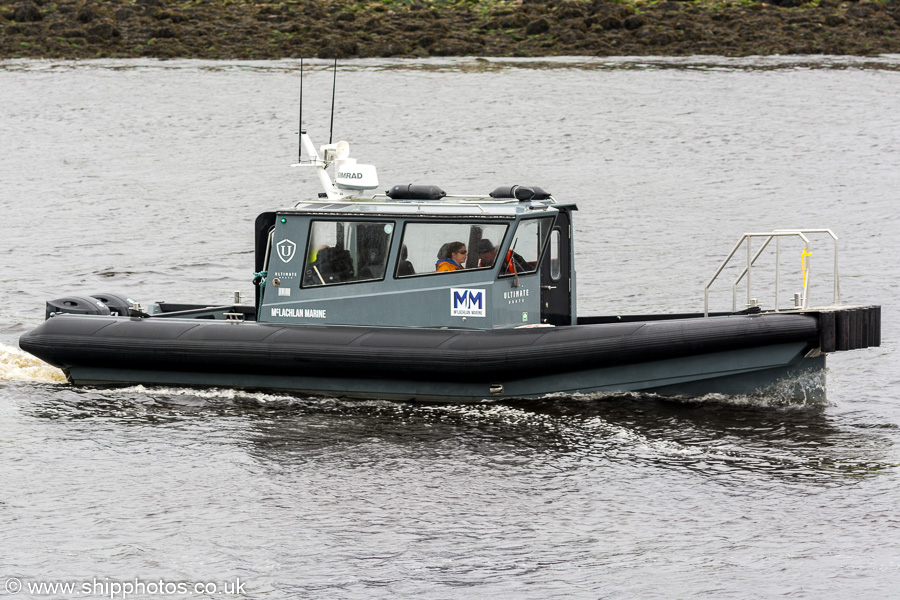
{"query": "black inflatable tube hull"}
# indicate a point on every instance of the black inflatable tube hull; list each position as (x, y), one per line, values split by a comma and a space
(69, 341)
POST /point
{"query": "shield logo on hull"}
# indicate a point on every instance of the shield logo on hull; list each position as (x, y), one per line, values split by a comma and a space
(286, 249)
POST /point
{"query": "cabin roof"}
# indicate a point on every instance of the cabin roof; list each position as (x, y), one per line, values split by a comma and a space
(448, 206)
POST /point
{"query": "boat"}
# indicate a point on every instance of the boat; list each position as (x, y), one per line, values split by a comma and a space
(415, 294)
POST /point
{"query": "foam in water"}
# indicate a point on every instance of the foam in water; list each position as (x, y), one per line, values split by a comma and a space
(208, 393)
(16, 365)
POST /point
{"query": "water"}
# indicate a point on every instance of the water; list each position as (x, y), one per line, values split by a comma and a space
(144, 177)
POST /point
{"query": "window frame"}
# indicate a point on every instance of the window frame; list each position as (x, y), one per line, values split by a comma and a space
(505, 223)
(336, 219)
(537, 264)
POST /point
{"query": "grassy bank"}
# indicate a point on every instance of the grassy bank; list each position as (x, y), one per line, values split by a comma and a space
(222, 29)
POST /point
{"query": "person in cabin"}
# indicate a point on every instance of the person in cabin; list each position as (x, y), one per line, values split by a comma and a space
(487, 253)
(452, 257)
(314, 253)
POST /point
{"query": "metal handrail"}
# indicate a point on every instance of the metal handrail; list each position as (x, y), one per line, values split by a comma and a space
(776, 234)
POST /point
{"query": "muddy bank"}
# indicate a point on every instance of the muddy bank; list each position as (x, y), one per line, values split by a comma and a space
(220, 29)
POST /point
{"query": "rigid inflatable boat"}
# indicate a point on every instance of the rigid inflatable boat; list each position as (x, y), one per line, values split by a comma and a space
(420, 295)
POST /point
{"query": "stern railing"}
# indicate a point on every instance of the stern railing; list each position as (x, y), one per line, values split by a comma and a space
(801, 301)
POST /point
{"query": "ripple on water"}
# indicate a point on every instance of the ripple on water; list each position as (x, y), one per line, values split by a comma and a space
(726, 439)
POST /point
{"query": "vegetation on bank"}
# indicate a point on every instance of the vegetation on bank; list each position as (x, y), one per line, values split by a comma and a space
(418, 28)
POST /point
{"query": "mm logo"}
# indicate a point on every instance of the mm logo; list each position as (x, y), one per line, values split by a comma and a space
(467, 303)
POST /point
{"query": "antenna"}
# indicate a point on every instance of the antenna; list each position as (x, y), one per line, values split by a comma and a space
(333, 86)
(300, 137)
(348, 175)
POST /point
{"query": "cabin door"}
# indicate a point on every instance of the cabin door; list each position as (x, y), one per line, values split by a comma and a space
(556, 273)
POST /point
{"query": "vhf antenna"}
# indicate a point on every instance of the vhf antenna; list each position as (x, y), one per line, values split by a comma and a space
(300, 137)
(333, 86)
(303, 131)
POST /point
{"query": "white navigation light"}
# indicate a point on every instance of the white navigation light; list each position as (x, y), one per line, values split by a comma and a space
(349, 175)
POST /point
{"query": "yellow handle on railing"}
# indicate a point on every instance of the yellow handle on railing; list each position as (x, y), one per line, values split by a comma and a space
(803, 256)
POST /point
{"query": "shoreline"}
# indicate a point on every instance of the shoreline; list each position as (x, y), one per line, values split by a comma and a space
(219, 29)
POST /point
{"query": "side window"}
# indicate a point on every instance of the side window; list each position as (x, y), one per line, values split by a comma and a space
(346, 252)
(525, 250)
(555, 270)
(446, 247)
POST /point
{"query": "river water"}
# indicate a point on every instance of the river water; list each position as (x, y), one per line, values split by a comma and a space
(144, 177)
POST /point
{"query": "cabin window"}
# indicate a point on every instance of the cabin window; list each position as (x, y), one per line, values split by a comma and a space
(346, 252)
(554, 255)
(525, 250)
(446, 247)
